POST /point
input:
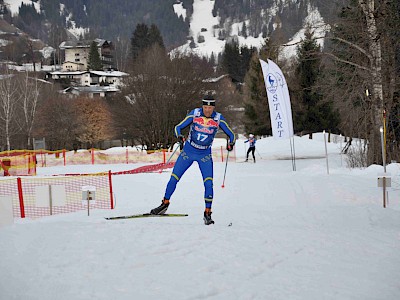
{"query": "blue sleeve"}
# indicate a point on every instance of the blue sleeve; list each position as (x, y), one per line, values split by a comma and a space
(246, 141)
(184, 123)
(228, 131)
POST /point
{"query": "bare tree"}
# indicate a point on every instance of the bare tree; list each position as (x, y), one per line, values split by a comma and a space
(29, 91)
(57, 120)
(9, 99)
(121, 53)
(161, 91)
(94, 120)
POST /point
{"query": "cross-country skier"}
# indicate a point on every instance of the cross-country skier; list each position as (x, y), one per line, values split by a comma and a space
(252, 146)
(204, 123)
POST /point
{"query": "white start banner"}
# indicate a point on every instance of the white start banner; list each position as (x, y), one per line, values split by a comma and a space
(278, 100)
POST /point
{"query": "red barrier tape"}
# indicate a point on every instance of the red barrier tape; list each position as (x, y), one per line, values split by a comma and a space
(143, 169)
(147, 169)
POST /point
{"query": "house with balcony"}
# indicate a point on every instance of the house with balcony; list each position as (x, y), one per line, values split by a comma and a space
(89, 78)
(98, 83)
(76, 79)
(77, 54)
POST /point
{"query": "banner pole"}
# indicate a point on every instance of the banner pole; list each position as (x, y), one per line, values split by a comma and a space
(292, 155)
(384, 166)
(326, 154)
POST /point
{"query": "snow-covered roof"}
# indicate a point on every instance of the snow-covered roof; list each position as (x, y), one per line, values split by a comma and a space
(98, 73)
(91, 89)
(109, 73)
(82, 44)
(215, 79)
(68, 73)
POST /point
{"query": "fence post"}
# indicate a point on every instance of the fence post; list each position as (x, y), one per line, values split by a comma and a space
(222, 154)
(111, 190)
(65, 163)
(92, 156)
(29, 164)
(164, 160)
(127, 156)
(21, 198)
(35, 163)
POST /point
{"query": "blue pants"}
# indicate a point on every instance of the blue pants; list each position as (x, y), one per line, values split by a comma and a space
(185, 160)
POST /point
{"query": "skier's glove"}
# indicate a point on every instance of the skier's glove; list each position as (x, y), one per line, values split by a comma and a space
(181, 140)
(229, 146)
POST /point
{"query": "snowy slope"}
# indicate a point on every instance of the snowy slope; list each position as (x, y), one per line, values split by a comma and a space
(14, 5)
(202, 18)
(294, 235)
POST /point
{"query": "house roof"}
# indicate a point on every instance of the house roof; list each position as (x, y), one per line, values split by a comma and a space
(83, 44)
(98, 73)
(215, 79)
(68, 73)
(72, 62)
(90, 89)
(109, 73)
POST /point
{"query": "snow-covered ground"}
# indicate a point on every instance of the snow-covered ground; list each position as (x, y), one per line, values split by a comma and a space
(299, 234)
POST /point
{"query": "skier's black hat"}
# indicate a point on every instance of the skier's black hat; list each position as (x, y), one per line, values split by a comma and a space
(208, 100)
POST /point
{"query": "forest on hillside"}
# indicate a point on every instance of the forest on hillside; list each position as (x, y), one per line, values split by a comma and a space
(110, 20)
(117, 19)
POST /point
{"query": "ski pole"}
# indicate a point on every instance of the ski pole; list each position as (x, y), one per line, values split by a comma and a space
(172, 154)
(170, 157)
(226, 165)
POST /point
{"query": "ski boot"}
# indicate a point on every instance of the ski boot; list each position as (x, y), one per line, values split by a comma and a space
(207, 217)
(161, 209)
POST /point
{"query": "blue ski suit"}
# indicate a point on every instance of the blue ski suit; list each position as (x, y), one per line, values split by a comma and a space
(252, 147)
(198, 148)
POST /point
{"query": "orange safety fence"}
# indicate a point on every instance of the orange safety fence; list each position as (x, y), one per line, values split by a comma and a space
(17, 163)
(96, 156)
(128, 155)
(34, 197)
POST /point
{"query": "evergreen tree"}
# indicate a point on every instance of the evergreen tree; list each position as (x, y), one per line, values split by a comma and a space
(155, 36)
(94, 61)
(140, 40)
(231, 61)
(235, 60)
(246, 54)
(143, 38)
(244, 30)
(316, 115)
(212, 59)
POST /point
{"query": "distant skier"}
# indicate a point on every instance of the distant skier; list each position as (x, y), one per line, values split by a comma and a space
(252, 146)
(204, 123)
